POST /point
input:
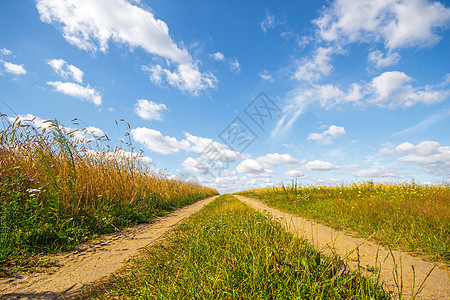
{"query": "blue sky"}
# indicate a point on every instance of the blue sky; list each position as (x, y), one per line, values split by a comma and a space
(241, 94)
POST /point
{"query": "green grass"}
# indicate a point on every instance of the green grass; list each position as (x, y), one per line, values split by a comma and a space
(58, 190)
(407, 217)
(229, 251)
(32, 222)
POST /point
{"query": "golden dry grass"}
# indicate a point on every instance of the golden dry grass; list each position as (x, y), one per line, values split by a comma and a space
(82, 171)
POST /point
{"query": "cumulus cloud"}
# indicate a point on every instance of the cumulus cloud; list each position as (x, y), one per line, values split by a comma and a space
(375, 172)
(185, 77)
(84, 135)
(197, 165)
(218, 56)
(319, 165)
(149, 110)
(14, 68)
(294, 173)
(274, 159)
(264, 74)
(394, 90)
(430, 155)
(252, 167)
(212, 150)
(120, 155)
(65, 70)
(87, 134)
(32, 120)
(91, 24)
(326, 137)
(207, 148)
(381, 60)
(402, 23)
(75, 90)
(315, 68)
(155, 141)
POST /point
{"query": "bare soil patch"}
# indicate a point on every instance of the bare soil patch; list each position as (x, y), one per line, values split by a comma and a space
(93, 260)
(437, 286)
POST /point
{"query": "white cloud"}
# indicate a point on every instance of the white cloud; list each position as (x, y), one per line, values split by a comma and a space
(65, 70)
(5, 51)
(212, 150)
(390, 89)
(274, 159)
(313, 69)
(234, 65)
(87, 134)
(294, 173)
(155, 141)
(84, 135)
(233, 62)
(252, 167)
(186, 77)
(319, 165)
(207, 148)
(434, 158)
(264, 74)
(381, 60)
(197, 165)
(91, 24)
(77, 91)
(218, 56)
(329, 95)
(326, 137)
(354, 93)
(268, 22)
(393, 89)
(33, 120)
(401, 23)
(375, 172)
(120, 155)
(14, 68)
(149, 110)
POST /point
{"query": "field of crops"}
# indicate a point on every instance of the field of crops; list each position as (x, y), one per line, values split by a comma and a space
(409, 217)
(59, 188)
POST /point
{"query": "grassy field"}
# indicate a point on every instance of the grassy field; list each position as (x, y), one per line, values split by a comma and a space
(410, 217)
(59, 189)
(229, 251)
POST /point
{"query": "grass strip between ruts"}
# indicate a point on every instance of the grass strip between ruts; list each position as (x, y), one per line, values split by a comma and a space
(229, 251)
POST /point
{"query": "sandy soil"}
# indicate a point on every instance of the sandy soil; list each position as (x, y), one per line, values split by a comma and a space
(93, 260)
(324, 238)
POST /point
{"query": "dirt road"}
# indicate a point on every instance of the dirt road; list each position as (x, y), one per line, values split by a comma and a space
(93, 260)
(327, 239)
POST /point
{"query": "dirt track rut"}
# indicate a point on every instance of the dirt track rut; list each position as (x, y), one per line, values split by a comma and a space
(93, 260)
(324, 238)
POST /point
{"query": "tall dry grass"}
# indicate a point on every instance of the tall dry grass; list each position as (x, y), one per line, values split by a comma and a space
(80, 170)
(60, 187)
